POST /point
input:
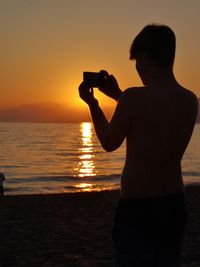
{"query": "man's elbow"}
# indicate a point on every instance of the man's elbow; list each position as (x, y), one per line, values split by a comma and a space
(110, 143)
(109, 147)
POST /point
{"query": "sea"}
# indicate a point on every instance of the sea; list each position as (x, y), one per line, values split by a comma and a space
(49, 158)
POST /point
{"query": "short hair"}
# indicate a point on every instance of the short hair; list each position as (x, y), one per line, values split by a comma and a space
(159, 43)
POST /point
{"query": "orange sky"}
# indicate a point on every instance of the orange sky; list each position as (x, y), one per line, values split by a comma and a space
(47, 44)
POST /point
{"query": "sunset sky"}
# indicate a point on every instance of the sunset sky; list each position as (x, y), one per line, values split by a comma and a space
(47, 44)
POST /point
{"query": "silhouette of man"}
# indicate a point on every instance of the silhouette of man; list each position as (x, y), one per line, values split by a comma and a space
(157, 121)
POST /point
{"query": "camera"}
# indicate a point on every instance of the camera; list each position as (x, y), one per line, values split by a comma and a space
(94, 79)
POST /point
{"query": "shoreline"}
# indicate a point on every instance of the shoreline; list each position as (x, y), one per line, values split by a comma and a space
(8, 195)
(74, 229)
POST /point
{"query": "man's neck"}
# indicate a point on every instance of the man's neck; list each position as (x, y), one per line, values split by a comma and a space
(162, 78)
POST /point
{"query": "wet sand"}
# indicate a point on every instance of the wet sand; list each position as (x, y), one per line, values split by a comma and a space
(74, 229)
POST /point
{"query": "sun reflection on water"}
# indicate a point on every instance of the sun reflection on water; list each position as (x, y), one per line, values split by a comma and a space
(84, 187)
(86, 165)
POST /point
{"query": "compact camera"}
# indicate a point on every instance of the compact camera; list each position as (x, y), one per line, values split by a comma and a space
(94, 79)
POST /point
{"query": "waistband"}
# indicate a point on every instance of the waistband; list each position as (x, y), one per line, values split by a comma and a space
(160, 200)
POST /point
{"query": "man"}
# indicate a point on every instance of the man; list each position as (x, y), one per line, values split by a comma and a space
(157, 120)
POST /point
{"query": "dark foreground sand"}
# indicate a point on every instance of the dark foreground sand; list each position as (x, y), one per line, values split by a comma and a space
(73, 230)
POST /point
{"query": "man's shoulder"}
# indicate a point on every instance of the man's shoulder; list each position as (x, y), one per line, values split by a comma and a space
(135, 89)
(133, 92)
(188, 92)
(133, 96)
(189, 95)
(190, 103)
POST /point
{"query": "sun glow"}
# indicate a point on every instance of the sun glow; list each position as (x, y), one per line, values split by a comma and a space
(86, 165)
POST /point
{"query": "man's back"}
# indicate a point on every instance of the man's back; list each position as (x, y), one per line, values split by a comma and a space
(162, 123)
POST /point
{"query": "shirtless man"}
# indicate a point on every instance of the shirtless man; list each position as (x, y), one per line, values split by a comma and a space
(157, 121)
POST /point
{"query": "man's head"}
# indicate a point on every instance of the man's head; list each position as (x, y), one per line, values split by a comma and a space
(158, 42)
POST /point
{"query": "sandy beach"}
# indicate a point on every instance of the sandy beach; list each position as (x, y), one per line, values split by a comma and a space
(74, 229)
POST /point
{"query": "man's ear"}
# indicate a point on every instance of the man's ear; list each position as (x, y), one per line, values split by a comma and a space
(145, 60)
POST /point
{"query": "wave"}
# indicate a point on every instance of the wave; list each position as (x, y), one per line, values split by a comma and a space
(71, 178)
(51, 189)
(63, 178)
(191, 173)
(72, 184)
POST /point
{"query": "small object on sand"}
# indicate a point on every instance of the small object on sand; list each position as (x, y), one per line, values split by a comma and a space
(2, 179)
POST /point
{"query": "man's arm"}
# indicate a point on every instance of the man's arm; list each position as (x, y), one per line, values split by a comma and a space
(110, 86)
(111, 134)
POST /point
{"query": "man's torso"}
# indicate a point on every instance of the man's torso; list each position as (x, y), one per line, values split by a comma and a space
(161, 126)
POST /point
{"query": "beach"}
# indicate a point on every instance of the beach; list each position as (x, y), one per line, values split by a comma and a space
(74, 229)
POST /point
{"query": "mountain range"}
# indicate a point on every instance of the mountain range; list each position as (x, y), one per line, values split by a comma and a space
(43, 112)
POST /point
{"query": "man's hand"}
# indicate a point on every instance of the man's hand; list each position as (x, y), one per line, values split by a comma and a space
(86, 94)
(111, 87)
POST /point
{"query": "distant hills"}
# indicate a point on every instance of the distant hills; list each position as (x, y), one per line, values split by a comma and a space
(43, 112)
(50, 112)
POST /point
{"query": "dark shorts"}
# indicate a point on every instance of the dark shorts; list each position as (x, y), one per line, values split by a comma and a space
(149, 232)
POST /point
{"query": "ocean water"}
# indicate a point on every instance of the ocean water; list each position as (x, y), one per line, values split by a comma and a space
(42, 158)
